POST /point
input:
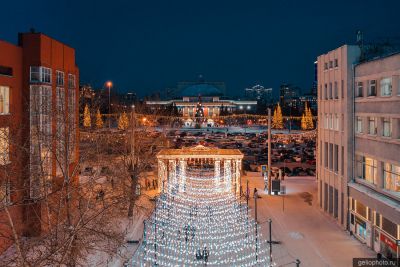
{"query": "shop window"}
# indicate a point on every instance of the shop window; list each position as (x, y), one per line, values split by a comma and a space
(361, 209)
(4, 100)
(389, 227)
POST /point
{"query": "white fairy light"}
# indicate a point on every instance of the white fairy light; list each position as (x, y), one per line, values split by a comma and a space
(200, 214)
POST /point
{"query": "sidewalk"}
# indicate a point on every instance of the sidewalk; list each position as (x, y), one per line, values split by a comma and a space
(306, 232)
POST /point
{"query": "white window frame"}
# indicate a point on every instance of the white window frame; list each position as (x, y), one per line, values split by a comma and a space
(358, 125)
(374, 132)
(387, 132)
(386, 86)
(71, 80)
(4, 100)
(60, 78)
(372, 84)
(43, 73)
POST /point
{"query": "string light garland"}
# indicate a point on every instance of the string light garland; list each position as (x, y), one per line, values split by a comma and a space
(199, 220)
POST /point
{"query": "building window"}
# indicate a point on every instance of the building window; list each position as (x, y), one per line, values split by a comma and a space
(7, 71)
(4, 100)
(335, 91)
(372, 88)
(366, 169)
(330, 64)
(325, 65)
(359, 89)
(336, 159)
(372, 125)
(342, 89)
(358, 125)
(5, 193)
(361, 209)
(326, 91)
(40, 74)
(330, 90)
(60, 78)
(391, 175)
(71, 81)
(4, 146)
(336, 122)
(41, 145)
(336, 63)
(326, 121)
(330, 117)
(387, 127)
(326, 154)
(386, 86)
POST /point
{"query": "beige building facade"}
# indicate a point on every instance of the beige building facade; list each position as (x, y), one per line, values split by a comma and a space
(374, 193)
(335, 79)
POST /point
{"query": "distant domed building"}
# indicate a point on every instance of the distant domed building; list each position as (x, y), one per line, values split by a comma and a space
(212, 98)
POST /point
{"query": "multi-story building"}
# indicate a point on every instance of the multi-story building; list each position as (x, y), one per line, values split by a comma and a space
(38, 127)
(335, 104)
(259, 93)
(358, 164)
(374, 190)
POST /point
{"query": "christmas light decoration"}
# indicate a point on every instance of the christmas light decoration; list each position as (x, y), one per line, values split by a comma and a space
(307, 120)
(123, 122)
(277, 121)
(99, 120)
(86, 117)
(200, 221)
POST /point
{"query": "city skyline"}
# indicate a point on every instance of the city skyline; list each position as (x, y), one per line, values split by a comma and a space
(178, 41)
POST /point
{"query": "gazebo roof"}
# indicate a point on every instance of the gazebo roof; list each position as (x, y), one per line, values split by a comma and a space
(200, 151)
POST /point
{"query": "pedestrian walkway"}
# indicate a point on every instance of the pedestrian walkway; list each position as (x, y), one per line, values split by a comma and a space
(304, 231)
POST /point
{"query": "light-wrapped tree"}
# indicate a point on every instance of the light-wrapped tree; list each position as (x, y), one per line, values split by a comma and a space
(99, 120)
(277, 120)
(123, 121)
(87, 122)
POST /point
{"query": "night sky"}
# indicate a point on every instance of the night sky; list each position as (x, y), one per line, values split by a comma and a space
(146, 46)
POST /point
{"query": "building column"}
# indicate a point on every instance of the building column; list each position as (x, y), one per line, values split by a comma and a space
(227, 174)
(162, 175)
(238, 175)
(182, 168)
(172, 179)
(217, 172)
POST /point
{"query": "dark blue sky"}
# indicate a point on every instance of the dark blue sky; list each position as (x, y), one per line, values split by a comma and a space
(149, 45)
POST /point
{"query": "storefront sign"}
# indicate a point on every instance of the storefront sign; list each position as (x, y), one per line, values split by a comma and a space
(388, 241)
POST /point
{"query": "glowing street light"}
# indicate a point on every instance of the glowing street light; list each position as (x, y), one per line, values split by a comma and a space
(109, 84)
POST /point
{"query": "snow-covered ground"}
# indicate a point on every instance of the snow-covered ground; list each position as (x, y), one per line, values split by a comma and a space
(305, 232)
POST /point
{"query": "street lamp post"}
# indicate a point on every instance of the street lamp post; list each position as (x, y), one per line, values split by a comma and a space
(109, 85)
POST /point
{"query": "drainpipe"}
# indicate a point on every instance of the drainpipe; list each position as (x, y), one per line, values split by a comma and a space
(353, 72)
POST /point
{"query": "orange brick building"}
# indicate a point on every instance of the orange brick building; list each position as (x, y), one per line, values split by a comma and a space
(39, 83)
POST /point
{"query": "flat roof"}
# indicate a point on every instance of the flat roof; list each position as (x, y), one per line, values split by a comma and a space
(200, 151)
